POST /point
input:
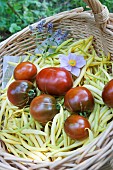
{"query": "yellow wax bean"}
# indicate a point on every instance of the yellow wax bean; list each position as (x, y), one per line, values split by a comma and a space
(3, 96)
(60, 122)
(53, 129)
(63, 52)
(59, 140)
(81, 41)
(98, 101)
(61, 144)
(87, 46)
(38, 125)
(92, 115)
(12, 63)
(51, 61)
(103, 110)
(6, 117)
(96, 85)
(25, 137)
(3, 106)
(95, 63)
(11, 137)
(12, 149)
(105, 120)
(18, 122)
(20, 153)
(94, 89)
(41, 63)
(108, 112)
(33, 58)
(29, 154)
(10, 141)
(22, 121)
(41, 155)
(40, 140)
(91, 135)
(56, 61)
(65, 139)
(27, 57)
(18, 130)
(38, 60)
(77, 81)
(47, 131)
(105, 72)
(63, 154)
(59, 130)
(24, 117)
(33, 131)
(76, 144)
(96, 77)
(32, 126)
(96, 120)
(63, 44)
(34, 141)
(30, 147)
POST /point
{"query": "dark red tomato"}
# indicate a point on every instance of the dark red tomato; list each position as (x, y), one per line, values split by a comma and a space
(107, 94)
(43, 108)
(79, 99)
(25, 71)
(75, 127)
(54, 81)
(21, 92)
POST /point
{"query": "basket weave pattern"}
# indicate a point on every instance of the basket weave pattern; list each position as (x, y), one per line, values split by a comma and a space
(81, 24)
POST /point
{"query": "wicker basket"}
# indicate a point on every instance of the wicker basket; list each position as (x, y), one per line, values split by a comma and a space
(81, 24)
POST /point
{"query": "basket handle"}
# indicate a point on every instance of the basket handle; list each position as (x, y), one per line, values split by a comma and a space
(100, 12)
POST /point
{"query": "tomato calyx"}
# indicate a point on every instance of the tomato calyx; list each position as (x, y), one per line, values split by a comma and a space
(31, 93)
(58, 105)
(84, 114)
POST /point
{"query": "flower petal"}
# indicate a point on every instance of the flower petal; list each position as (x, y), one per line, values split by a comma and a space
(72, 56)
(64, 65)
(68, 67)
(64, 62)
(80, 61)
(75, 71)
(63, 58)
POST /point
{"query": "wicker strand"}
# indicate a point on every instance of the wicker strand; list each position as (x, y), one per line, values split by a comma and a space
(95, 5)
(100, 12)
(102, 17)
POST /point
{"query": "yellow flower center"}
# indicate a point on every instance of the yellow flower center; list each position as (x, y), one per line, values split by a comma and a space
(72, 63)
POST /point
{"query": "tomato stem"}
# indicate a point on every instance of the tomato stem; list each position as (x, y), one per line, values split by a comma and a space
(84, 114)
(58, 105)
(31, 93)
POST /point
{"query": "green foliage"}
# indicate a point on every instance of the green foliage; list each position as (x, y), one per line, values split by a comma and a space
(15, 15)
(14, 28)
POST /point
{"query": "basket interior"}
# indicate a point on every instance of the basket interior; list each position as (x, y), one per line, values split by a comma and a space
(80, 25)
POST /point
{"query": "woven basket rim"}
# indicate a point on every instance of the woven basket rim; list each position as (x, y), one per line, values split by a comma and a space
(107, 133)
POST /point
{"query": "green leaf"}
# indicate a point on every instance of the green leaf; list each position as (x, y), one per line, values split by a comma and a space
(14, 28)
